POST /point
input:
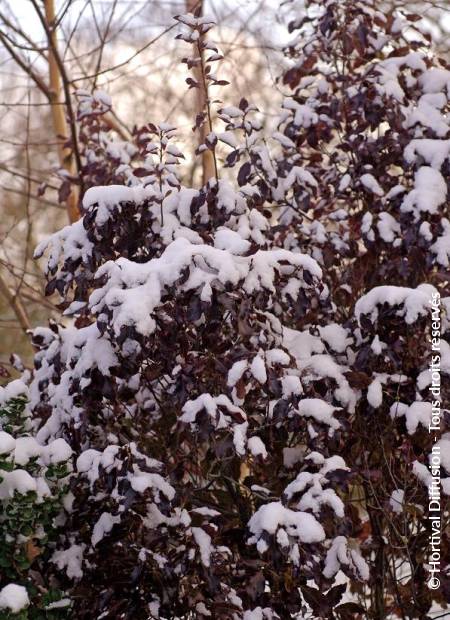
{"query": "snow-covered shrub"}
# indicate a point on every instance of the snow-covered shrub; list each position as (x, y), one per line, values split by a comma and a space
(368, 120)
(32, 485)
(245, 380)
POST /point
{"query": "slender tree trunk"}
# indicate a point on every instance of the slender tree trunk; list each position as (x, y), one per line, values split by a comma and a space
(16, 304)
(201, 99)
(65, 153)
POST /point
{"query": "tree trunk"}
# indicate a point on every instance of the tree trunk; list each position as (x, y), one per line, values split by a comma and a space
(16, 304)
(65, 154)
(201, 99)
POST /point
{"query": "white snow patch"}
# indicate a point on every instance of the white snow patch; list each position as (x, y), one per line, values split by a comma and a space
(413, 302)
(14, 597)
(258, 369)
(7, 443)
(396, 500)
(375, 394)
(370, 183)
(71, 560)
(257, 447)
(301, 525)
(429, 193)
(203, 541)
(345, 552)
(103, 526)
(335, 336)
(318, 409)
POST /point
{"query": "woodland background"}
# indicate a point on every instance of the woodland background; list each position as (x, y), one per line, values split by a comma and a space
(127, 49)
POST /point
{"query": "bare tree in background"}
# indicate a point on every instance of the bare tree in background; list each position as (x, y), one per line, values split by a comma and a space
(51, 49)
